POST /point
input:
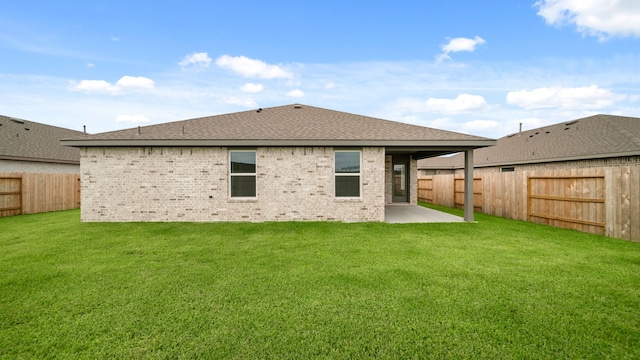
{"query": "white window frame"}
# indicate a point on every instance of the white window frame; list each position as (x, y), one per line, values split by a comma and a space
(359, 174)
(231, 174)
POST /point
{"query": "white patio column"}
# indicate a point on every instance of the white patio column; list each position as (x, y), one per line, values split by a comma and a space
(468, 185)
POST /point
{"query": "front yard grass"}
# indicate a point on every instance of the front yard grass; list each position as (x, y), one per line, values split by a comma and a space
(495, 289)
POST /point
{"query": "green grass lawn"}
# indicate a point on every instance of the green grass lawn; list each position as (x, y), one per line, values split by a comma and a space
(495, 289)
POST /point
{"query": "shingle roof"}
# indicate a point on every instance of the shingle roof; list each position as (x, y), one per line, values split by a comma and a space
(290, 123)
(598, 136)
(32, 141)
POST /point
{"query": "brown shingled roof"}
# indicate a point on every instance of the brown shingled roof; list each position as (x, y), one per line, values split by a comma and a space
(598, 136)
(289, 122)
(32, 141)
(291, 125)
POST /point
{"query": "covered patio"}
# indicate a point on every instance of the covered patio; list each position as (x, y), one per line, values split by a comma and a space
(401, 168)
(409, 213)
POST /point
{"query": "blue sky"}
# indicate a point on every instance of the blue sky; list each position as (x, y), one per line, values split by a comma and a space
(479, 67)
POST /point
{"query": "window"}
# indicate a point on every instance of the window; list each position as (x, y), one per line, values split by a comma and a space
(347, 173)
(507, 169)
(243, 173)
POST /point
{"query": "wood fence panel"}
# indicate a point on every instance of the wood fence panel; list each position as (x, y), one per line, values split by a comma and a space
(42, 192)
(10, 195)
(458, 193)
(616, 213)
(425, 189)
(548, 197)
(443, 190)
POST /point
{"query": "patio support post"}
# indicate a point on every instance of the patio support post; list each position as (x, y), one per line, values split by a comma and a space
(468, 185)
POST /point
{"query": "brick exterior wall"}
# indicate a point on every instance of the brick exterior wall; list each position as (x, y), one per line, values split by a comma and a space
(388, 179)
(413, 181)
(192, 184)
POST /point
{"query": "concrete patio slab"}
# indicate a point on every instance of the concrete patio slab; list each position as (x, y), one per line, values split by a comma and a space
(407, 213)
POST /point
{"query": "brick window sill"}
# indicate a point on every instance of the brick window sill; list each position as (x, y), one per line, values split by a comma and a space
(348, 200)
(242, 200)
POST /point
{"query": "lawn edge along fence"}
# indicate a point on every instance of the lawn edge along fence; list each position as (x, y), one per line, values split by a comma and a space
(599, 200)
(30, 193)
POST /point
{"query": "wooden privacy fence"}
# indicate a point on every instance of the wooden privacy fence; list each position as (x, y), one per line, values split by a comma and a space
(574, 202)
(30, 193)
(432, 191)
(458, 193)
(10, 195)
(425, 189)
(600, 200)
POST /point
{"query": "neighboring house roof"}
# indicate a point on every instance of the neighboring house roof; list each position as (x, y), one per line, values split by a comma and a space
(31, 141)
(599, 136)
(289, 125)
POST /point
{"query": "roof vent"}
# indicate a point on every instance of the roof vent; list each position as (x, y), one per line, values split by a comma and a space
(17, 121)
(571, 123)
(259, 110)
(297, 106)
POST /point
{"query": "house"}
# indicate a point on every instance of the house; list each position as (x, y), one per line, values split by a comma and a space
(293, 162)
(31, 147)
(582, 174)
(37, 173)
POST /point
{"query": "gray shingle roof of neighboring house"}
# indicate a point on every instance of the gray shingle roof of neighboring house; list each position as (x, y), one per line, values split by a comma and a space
(31, 141)
(598, 136)
(289, 125)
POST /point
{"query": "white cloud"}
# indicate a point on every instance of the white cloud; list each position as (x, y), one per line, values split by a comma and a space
(461, 104)
(102, 86)
(135, 82)
(297, 93)
(95, 86)
(248, 103)
(330, 85)
(442, 57)
(132, 119)
(457, 45)
(114, 38)
(252, 88)
(603, 18)
(196, 61)
(90, 65)
(252, 68)
(462, 44)
(394, 90)
(586, 97)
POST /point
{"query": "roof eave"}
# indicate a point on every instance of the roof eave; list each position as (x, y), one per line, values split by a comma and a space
(32, 159)
(443, 144)
(535, 161)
